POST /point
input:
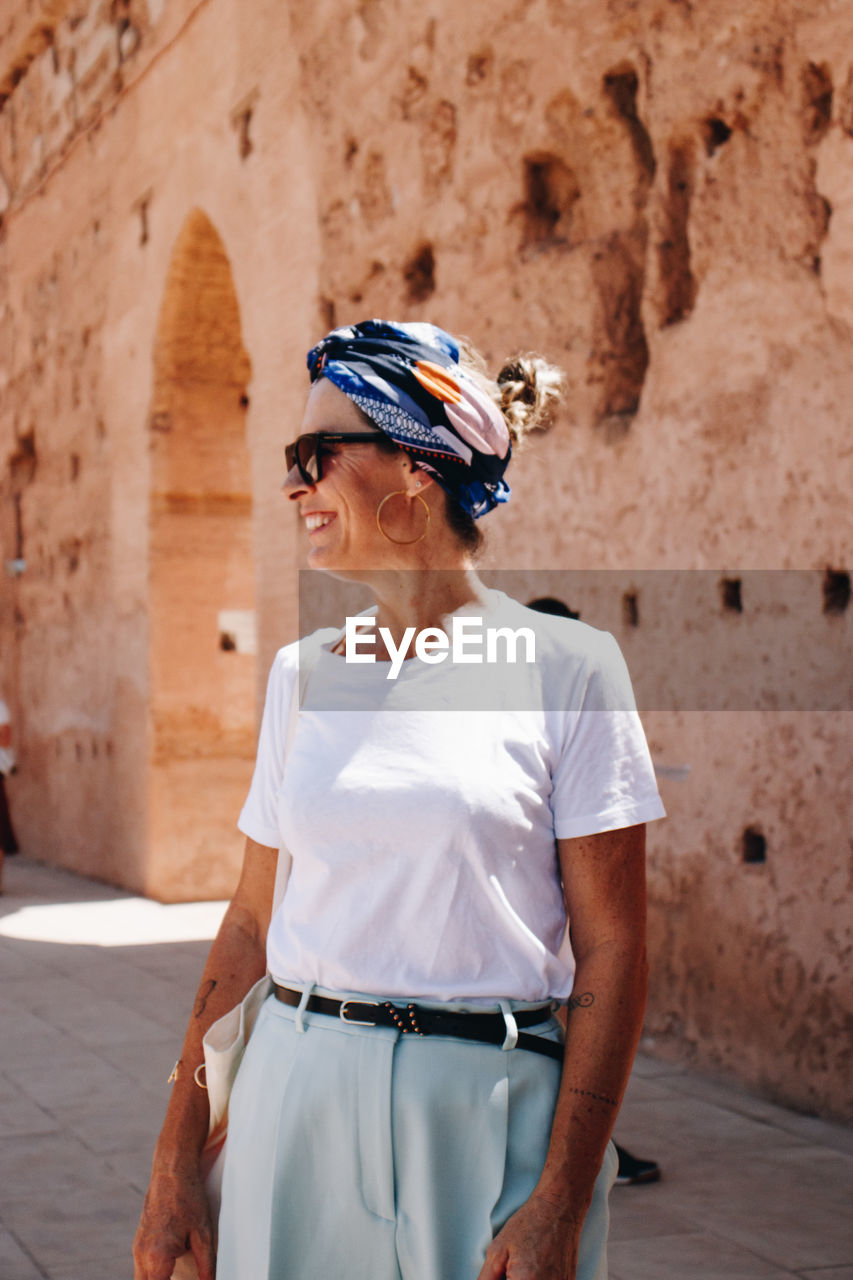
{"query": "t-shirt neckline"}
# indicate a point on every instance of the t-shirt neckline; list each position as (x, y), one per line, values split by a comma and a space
(495, 601)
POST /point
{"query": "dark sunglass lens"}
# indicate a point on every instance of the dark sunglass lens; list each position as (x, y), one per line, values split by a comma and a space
(301, 454)
(307, 454)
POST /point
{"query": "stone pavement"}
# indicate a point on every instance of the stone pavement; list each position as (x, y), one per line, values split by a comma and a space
(95, 987)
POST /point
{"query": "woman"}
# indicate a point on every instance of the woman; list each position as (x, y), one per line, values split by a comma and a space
(404, 1108)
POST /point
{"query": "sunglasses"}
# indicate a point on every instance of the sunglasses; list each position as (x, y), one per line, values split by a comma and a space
(307, 452)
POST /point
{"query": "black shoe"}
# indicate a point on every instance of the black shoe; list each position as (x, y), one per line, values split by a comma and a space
(632, 1170)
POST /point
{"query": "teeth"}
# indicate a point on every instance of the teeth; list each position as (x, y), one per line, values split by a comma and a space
(316, 521)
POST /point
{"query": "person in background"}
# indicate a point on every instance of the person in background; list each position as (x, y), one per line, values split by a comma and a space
(8, 843)
(632, 1170)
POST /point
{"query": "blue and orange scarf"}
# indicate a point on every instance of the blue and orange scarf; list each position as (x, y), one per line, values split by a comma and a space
(408, 380)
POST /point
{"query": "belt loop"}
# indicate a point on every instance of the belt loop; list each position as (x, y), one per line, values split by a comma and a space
(511, 1038)
(298, 1020)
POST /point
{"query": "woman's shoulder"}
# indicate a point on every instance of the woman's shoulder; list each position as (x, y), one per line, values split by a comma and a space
(579, 666)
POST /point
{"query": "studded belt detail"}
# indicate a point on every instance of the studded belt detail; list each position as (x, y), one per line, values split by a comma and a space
(416, 1019)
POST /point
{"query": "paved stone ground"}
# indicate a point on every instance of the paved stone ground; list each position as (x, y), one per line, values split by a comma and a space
(95, 987)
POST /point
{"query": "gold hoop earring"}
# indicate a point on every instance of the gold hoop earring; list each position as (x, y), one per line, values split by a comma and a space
(407, 542)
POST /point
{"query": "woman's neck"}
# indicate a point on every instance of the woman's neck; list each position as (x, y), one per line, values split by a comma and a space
(421, 598)
(424, 597)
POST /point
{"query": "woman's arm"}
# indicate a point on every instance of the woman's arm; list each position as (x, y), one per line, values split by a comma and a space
(175, 1215)
(605, 892)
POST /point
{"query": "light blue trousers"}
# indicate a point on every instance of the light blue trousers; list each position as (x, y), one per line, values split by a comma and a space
(357, 1153)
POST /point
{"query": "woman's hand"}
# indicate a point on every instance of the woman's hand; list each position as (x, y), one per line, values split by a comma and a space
(539, 1242)
(175, 1218)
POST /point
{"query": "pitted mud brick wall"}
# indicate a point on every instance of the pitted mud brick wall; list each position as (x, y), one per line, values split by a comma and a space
(657, 194)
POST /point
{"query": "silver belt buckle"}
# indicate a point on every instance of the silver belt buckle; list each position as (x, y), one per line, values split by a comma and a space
(357, 1022)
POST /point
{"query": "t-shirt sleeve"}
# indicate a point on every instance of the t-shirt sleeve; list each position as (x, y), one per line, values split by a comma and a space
(259, 816)
(604, 778)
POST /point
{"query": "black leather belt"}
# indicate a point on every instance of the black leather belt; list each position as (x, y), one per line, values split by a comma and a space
(415, 1019)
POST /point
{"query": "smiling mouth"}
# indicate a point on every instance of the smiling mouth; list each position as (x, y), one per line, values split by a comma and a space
(318, 520)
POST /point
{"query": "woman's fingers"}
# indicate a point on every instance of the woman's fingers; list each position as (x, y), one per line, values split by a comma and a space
(160, 1261)
(494, 1268)
(153, 1262)
(201, 1244)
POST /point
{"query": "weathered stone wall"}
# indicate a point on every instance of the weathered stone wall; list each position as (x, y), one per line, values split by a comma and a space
(137, 120)
(658, 194)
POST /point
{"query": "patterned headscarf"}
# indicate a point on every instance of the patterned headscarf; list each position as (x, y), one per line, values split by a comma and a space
(407, 379)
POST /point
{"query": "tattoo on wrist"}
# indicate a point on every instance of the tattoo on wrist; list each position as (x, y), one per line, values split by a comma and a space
(204, 997)
(582, 1001)
(597, 1097)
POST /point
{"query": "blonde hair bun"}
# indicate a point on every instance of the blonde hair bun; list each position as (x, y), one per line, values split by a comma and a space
(530, 390)
(527, 389)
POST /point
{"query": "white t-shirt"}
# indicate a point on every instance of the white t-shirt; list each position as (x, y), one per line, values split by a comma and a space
(422, 837)
(7, 755)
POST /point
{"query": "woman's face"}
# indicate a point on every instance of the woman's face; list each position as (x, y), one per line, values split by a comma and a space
(339, 511)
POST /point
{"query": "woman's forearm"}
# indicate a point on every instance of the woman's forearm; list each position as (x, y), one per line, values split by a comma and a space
(604, 1021)
(236, 960)
(176, 1212)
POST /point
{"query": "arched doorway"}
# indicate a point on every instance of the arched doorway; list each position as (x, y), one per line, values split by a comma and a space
(201, 590)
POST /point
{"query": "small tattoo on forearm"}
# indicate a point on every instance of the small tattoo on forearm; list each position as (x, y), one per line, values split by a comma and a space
(580, 1002)
(204, 997)
(597, 1097)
